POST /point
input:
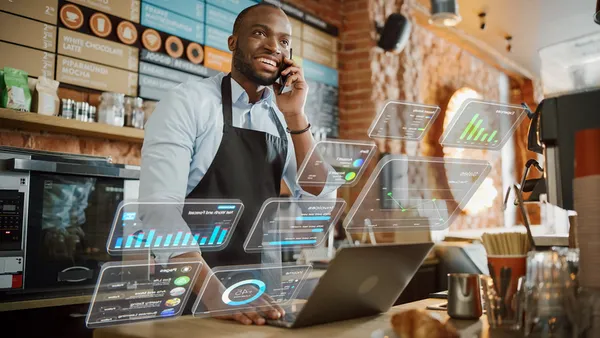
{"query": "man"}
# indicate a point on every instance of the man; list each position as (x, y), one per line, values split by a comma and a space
(232, 136)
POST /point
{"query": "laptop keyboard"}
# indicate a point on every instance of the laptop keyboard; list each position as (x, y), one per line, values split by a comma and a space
(286, 321)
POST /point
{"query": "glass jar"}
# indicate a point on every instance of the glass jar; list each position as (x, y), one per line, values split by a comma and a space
(111, 109)
(134, 112)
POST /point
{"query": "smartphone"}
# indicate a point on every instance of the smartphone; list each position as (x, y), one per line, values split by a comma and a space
(284, 78)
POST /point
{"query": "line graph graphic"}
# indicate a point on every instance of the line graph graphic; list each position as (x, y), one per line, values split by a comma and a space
(401, 195)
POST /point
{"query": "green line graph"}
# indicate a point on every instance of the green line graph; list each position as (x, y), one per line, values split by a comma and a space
(474, 129)
(391, 195)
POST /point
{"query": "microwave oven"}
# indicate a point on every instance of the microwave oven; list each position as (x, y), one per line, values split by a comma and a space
(56, 211)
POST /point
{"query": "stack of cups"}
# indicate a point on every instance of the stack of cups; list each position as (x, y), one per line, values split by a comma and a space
(586, 193)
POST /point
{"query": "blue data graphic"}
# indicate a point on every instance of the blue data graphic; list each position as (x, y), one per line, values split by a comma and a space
(139, 290)
(249, 287)
(335, 163)
(290, 224)
(209, 226)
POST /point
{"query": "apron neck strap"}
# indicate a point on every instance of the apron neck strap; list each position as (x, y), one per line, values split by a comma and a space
(226, 100)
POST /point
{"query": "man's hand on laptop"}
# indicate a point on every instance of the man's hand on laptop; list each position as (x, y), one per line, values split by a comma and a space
(262, 309)
(256, 312)
(259, 316)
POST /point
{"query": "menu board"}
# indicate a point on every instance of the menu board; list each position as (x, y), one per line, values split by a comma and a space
(154, 82)
(322, 108)
(219, 18)
(193, 9)
(319, 38)
(34, 62)
(234, 6)
(100, 43)
(150, 93)
(126, 9)
(172, 23)
(166, 73)
(319, 55)
(43, 10)
(319, 73)
(179, 64)
(92, 75)
(217, 59)
(296, 28)
(31, 33)
(217, 38)
(95, 49)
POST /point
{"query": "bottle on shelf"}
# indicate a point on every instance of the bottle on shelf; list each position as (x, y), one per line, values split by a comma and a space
(67, 108)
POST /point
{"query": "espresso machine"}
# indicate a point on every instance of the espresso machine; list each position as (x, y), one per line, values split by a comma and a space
(552, 133)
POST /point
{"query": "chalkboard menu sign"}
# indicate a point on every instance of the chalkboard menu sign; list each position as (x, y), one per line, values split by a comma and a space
(322, 108)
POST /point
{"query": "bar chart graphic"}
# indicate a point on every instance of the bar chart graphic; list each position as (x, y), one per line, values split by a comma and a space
(205, 224)
(475, 132)
(483, 125)
(177, 239)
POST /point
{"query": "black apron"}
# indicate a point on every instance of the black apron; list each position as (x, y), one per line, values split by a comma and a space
(248, 166)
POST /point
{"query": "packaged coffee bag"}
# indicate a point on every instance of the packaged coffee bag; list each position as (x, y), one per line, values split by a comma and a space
(15, 93)
(45, 100)
(1, 85)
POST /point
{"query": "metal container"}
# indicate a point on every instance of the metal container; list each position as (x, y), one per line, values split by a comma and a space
(464, 296)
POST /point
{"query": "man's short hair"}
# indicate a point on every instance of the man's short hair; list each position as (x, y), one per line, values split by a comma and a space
(240, 18)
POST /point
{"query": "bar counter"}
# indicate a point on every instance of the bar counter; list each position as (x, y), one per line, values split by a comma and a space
(190, 327)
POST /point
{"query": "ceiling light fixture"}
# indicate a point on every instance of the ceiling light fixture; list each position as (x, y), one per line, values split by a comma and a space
(482, 23)
(597, 15)
(508, 39)
(444, 13)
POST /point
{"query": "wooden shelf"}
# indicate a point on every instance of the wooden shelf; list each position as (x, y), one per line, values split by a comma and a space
(35, 122)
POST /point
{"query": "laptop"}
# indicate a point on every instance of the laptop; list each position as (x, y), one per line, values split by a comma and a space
(360, 281)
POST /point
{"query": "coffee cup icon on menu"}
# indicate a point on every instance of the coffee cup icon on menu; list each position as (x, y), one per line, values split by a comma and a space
(73, 17)
(100, 25)
(127, 33)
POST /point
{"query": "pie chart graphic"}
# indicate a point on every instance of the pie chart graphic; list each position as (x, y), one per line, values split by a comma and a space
(244, 292)
(350, 176)
(358, 163)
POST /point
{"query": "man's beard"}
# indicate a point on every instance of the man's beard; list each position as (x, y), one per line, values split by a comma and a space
(241, 63)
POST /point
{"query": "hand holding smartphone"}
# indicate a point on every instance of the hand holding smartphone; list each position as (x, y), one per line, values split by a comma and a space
(284, 78)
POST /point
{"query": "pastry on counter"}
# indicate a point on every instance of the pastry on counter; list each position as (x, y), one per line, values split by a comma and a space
(419, 324)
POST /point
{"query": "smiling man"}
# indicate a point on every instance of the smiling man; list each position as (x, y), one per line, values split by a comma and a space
(232, 136)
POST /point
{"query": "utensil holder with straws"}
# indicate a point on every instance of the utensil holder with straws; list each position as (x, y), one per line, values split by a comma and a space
(507, 257)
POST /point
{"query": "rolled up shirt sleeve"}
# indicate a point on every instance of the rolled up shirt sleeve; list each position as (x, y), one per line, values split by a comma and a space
(166, 155)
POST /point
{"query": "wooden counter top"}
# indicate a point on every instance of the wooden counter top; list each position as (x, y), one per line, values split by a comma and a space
(190, 327)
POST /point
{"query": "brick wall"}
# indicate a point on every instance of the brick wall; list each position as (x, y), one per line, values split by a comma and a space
(429, 70)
